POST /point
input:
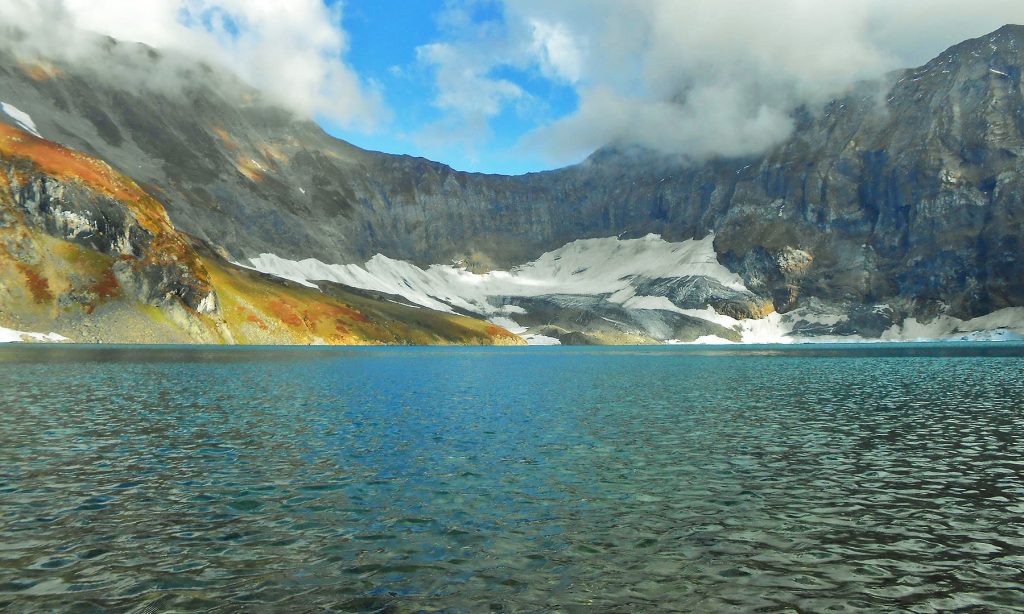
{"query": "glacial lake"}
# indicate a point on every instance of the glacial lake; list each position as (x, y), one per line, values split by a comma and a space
(813, 478)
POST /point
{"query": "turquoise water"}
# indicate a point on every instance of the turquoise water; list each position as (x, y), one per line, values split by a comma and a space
(868, 478)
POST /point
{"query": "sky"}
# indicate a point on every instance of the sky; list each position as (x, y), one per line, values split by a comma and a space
(513, 86)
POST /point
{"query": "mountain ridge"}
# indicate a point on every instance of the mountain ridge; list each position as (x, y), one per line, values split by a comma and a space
(902, 192)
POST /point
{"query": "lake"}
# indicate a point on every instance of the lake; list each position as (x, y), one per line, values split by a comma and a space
(817, 478)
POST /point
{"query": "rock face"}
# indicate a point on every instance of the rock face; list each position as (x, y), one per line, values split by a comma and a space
(70, 197)
(901, 198)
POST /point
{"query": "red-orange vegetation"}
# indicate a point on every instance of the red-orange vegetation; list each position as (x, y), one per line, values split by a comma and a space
(286, 312)
(38, 285)
(106, 286)
(66, 164)
(352, 314)
(317, 311)
(40, 71)
(225, 137)
(255, 320)
(63, 163)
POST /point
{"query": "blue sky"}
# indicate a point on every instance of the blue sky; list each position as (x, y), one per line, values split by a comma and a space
(384, 36)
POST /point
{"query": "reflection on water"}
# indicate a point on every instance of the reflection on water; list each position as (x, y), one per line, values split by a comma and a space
(872, 478)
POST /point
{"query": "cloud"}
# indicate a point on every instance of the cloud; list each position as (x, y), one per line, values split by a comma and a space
(557, 52)
(462, 82)
(293, 51)
(694, 77)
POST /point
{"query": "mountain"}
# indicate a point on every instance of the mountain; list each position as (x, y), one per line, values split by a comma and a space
(84, 249)
(893, 212)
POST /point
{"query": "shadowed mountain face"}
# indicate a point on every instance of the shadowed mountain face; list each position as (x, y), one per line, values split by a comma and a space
(904, 192)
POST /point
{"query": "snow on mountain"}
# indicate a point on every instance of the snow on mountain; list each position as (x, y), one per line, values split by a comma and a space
(22, 119)
(612, 271)
(1005, 324)
(606, 266)
(16, 336)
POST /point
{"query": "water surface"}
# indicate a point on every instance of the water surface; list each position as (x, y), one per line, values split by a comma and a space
(868, 478)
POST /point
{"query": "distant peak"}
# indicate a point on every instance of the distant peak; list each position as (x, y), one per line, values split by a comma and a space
(999, 49)
(1010, 29)
(1009, 36)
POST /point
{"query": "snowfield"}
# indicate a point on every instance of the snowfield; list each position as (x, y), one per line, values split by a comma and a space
(16, 336)
(585, 267)
(610, 268)
(21, 118)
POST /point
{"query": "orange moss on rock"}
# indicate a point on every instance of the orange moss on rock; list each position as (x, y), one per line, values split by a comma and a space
(63, 163)
(252, 170)
(225, 137)
(45, 157)
(40, 70)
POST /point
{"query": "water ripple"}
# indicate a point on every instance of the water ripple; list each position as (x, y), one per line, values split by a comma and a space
(850, 479)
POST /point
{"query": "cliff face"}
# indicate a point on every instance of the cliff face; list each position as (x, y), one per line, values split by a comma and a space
(903, 193)
(913, 195)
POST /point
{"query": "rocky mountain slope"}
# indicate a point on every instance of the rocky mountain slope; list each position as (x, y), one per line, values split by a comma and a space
(88, 254)
(896, 204)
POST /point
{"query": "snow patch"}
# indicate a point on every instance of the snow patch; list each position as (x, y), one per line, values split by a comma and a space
(278, 267)
(508, 324)
(540, 340)
(16, 336)
(703, 340)
(21, 118)
(660, 303)
(1005, 324)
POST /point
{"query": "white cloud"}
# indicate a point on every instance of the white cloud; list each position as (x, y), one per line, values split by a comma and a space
(556, 51)
(462, 81)
(692, 77)
(293, 51)
(697, 77)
